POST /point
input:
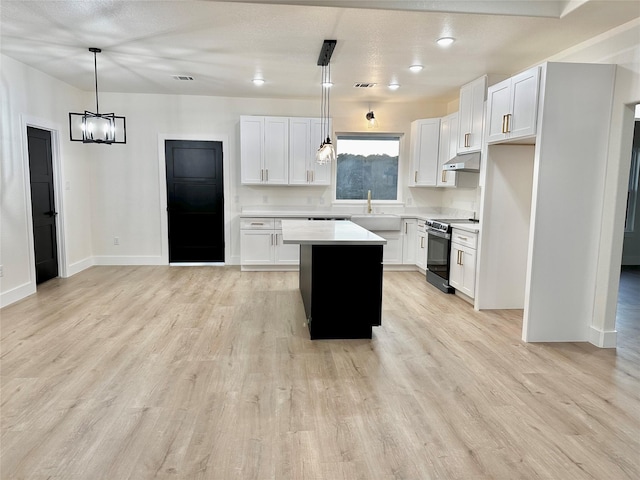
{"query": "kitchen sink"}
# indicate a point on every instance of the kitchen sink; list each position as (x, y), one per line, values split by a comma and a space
(377, 221)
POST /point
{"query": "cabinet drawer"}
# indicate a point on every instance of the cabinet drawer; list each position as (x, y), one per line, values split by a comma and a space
(256, 223)
(467, 239)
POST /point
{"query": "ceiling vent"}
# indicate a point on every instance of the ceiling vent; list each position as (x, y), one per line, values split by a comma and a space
(183, 77)
(364, 85)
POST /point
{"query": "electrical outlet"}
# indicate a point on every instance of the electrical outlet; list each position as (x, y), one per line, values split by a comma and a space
(1, 271)
(116, 240)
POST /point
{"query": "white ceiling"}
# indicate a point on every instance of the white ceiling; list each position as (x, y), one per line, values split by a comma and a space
(224, 44)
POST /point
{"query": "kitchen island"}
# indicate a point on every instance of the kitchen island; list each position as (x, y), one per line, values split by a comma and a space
(340, 276)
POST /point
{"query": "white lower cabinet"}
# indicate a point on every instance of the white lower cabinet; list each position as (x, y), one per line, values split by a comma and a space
(392, 251)
(462, 275)
(261, 244)
(421, 245)
(409, 232)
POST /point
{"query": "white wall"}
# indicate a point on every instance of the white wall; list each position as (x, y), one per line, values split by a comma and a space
(29, 97)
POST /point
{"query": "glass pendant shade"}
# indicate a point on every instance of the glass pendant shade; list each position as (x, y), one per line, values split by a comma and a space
(98, 128)
(326, 153)
(371, 120)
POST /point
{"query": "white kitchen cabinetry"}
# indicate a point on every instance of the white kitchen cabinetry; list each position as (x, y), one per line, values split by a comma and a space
(425, 138)
(304, 140)
(471, 115)
(462, 275)
(409, 232)
(284, 254)
(448, 150)
(512, 107)
(261, 244)
(264, 150)
(421, 245)
(392, 251)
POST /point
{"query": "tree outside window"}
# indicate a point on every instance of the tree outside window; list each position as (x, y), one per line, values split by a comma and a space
(367, 162)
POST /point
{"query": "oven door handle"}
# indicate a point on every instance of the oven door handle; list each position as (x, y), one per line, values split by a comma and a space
(436, 233)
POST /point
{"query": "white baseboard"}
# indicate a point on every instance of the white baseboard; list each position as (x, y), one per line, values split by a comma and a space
(128, 260)
(603, 339)
(17, 293)
(77, 267)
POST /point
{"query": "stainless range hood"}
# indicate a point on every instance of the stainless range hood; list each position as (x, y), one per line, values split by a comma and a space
(465, 162)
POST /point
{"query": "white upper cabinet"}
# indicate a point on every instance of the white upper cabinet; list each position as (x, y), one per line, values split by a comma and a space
(425, 139)
(252, 150)
(276, 150)
(281, 151)
(448, 141)
(512, 107)
(264, 150)
(471, 115)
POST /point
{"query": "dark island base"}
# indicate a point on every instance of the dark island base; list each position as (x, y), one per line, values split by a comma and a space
(341, 288)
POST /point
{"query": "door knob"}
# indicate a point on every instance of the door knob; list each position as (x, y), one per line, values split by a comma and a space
(51, 213)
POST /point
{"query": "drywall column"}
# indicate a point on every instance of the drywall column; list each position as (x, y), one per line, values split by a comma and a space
(568, 193)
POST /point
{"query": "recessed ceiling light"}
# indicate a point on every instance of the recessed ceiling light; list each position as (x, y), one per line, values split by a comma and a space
(416, 68)
(445, 41)
(258, 81)
(394, 86)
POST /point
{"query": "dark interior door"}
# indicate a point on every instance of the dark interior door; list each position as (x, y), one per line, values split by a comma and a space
(43, 204)
(195, 201)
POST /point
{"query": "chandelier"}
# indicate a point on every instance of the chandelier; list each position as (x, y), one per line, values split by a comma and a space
(90, 127)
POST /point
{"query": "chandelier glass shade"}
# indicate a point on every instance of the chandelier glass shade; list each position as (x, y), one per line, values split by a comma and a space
(371, 120)
(90, 127)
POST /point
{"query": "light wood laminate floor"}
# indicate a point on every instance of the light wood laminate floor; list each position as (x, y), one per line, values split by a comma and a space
(209, 373)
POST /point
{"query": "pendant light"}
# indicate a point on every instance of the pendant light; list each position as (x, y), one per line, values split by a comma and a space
(90, 127)
(326, 153)
(371, 119)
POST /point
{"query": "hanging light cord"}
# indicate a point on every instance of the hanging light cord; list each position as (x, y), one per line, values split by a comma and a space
(322, 106)
(95, 73)
(328, 99)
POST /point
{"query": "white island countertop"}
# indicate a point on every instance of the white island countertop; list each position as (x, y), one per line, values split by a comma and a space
(328, 232)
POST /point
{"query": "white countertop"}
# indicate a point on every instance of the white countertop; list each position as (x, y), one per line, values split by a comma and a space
(467, 227)
(328, 232)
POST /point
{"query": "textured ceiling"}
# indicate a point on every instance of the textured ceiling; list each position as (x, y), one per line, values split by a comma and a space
(224, 44)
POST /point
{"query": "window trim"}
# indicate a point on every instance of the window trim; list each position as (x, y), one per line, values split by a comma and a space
(400, 136)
